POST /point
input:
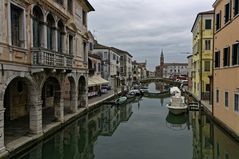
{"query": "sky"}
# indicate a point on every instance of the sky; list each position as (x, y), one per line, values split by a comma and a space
(146, 27)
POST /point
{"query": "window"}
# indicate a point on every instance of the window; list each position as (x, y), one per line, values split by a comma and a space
(208, 24)
(59, 2)
(226, 56)
(114, 57)
(207, 44)
(217, 59)
(235, 54)
(208, 88)
(91, 46)
(217, 96)
(84, 17)
(218, 21)
(227, 13)
(236, 100)
(37, 27)
(69, 5)
(17, 26)
(71, 44)
(236, 7)
(207, 66)
(60, 36)
(50, 31)
(226, 99)
(105, 55)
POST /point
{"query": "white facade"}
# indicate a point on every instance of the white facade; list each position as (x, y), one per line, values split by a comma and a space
(110, 64)
(175, 69)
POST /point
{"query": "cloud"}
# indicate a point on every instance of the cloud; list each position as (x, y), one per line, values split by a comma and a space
(145, 27)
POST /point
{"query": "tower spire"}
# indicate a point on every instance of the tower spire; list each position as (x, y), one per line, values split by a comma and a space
(162, 58)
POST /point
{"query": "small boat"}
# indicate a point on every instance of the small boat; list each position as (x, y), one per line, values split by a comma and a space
(133, 93)
(121, 100)
(177, 104)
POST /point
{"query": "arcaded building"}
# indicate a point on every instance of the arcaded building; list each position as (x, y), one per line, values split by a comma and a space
(43, 54)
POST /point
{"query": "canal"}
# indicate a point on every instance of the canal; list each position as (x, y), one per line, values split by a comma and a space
(143, 129)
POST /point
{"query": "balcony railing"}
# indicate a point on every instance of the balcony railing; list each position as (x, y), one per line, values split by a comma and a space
(44, 57)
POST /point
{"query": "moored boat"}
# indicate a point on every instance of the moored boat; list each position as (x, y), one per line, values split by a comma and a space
(177, 104)
(121, 100)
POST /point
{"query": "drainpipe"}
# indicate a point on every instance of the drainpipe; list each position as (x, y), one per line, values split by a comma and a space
(213, 45)
(200, 57)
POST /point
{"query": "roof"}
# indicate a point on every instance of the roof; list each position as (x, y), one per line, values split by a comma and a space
(120, 52)
(94, 56)
(175, 64)
(201, 13)
(87, 3)
(99, 46)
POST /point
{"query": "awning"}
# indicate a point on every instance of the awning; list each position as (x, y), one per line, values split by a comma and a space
(96, 81)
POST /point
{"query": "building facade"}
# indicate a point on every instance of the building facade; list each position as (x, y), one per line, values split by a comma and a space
(110, 64)
(136, 71)
(167, 70)
(202, 43)
(95, 81)
(126, 67)
(139, 70)
(190, 62)
(226, 69)
(43, 53)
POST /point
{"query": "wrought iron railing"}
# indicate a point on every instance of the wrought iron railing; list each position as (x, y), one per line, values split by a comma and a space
(44, 57)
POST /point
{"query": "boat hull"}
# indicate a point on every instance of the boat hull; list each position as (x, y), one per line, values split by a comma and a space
(177, 110)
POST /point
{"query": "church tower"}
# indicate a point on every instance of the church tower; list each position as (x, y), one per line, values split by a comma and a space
(161, 59)
(161, 64)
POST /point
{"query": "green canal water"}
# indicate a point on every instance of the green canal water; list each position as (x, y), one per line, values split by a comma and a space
(143, 129)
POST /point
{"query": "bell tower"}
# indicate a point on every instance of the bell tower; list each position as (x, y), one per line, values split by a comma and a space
(161, 59)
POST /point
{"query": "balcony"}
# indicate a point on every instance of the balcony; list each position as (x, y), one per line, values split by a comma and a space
(47, 58)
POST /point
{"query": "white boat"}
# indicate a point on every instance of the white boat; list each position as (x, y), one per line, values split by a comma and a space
(133, 93)
(177, 104)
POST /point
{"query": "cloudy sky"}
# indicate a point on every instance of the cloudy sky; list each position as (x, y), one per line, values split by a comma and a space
(145, 27)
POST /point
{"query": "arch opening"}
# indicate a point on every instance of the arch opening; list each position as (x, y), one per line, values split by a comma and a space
(17, 111)
(51, 95)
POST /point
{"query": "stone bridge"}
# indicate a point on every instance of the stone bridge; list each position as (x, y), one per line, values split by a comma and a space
(162, 80)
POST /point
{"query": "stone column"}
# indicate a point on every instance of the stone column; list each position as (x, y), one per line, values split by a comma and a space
(59, 110)
(36, 117)
(2, 144)
(73, 102)
(55, 40)
(44, 36)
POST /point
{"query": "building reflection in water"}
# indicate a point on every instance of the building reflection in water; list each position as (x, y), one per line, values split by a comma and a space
(78, 139)
(210, 141)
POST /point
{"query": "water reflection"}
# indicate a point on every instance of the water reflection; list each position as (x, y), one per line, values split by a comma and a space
(78, 140)
(177, 122)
